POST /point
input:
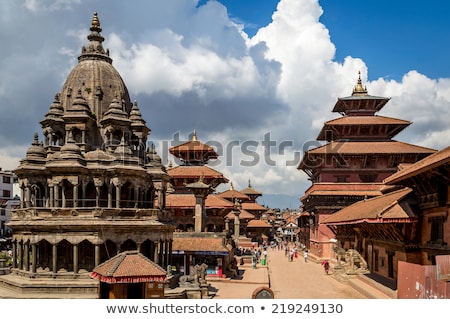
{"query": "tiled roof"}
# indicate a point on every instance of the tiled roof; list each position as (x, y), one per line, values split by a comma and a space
(253, 206)
(129, 266)
(380, 209)
(366, 120)
(192, 146)
(188, 201)
(257, 223)
(231, 193)
(195, 171)
(250, 191)
(199, 244)
(343, 189)
(243, 215)
(428, 163)
(366, 147)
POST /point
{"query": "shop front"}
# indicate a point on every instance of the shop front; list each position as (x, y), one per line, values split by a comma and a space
(188, 252)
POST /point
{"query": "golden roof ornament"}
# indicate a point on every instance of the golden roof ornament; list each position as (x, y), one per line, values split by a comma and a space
(359, 89)
(194, 136)
(95, 24)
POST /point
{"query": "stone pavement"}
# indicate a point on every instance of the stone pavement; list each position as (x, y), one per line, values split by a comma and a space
(287, 280)
(291, 280)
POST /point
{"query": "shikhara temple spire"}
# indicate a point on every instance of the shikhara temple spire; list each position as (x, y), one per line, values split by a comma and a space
(359, 89)
(95, 47)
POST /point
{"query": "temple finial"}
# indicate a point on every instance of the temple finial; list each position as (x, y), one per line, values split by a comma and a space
(231, 186)
(249, 184)
(95, 24)
(359, 89)
(194, 136)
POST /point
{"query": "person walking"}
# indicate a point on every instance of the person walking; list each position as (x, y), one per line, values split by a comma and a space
(326, 266)
(305, 256)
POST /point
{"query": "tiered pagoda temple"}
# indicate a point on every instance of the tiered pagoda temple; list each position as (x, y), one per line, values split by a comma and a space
(201, 235)
(358, 155)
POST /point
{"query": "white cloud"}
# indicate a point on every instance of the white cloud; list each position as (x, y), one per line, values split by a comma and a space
(193, 67)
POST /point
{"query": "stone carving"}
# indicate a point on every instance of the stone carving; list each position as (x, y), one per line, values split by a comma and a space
(197, 278)
(350, 262)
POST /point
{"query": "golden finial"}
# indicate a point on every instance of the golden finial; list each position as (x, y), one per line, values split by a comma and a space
(231, 186)
(95, 24)
(194, 136)
(359, 89)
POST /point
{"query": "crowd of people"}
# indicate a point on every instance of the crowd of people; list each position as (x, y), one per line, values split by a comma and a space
(259, 254)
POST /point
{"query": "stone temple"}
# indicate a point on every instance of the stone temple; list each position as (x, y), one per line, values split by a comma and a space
(92, 188)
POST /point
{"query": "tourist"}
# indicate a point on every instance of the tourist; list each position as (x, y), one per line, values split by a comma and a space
(305, 255)
(326, 266)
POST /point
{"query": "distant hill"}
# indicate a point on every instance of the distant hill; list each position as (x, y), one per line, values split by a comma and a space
(280, 201)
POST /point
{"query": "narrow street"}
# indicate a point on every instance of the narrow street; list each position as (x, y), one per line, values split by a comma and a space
(287, 280)
(298, 279)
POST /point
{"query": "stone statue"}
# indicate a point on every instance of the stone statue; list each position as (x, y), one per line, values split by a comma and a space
(197, 278)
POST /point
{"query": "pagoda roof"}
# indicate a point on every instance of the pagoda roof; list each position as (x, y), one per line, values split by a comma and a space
(429, 163)
(206, 245)
(342, 189)
(257, 223)
(186, 151)
(388, 208)
(195, 172)
(129, 267)
(242, 215)
(253, 206)
(232, 193)
(184, 201)
(250, 190)
(367, 120)
(396, 125)
(360, 101)
(370, 147)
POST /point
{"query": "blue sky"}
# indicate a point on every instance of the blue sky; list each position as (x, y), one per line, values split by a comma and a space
(237, 71)
(392, 37)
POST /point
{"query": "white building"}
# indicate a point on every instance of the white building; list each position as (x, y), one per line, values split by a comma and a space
(6, 200)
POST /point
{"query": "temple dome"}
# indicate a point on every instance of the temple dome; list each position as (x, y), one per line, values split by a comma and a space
(96, 77)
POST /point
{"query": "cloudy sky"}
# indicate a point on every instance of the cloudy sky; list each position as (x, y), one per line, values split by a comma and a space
(256, 79)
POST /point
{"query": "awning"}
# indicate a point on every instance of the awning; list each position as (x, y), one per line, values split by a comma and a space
(199, 252)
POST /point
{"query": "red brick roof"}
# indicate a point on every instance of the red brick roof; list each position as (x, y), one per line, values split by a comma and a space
(199, 244)
(250, 191)
(243, 215)
(128, 267)
(257, 223)
(253, 206)
(195, 172)
(231, 193)
(380, 209)
(366, 147)
(371, 120)
(338, 189)
(188, 201)
(428, 163)
(193, 147)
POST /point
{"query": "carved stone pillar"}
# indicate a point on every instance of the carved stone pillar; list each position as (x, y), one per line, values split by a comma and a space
(20, 256)
(75, 259)
(97, 255)
(33, 258)
(26, 256)
(54, 259)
